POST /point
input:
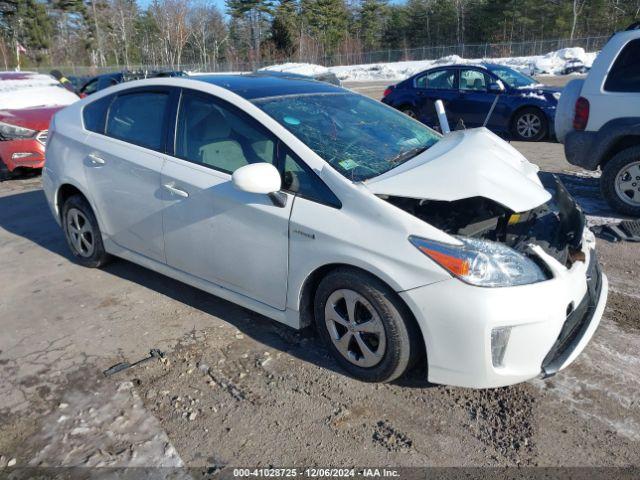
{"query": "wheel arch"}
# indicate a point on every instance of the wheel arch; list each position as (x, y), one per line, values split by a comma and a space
(65, 191)
(622, 143)
(310, 285)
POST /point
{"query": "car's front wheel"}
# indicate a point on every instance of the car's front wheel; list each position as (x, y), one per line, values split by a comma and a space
(410, 112)
(620, 181)
(367, 328)
(5, 174)
(82, 232)
(529, 125)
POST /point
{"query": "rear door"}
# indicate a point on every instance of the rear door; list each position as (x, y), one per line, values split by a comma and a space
(212, 230)
(440, 84)
(123, 169)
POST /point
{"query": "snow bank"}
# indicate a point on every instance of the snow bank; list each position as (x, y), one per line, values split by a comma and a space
(27, 90)
(552, 63)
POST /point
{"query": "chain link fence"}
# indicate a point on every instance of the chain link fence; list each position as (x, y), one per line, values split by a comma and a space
(480, 50)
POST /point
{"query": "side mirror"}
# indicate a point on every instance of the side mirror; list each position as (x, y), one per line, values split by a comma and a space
(496, 87)
(257, 178)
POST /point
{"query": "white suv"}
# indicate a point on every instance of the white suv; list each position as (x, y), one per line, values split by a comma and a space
(598, 120)
(307, 202)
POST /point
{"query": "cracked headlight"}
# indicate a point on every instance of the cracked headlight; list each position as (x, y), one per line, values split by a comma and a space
(13, 132)
(481, 262)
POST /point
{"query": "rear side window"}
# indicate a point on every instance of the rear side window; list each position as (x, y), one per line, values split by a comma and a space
(625, 73)
(438, 80)
(138, 118)
(94, 114)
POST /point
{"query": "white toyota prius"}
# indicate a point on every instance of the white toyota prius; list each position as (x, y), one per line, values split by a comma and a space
(309, 203)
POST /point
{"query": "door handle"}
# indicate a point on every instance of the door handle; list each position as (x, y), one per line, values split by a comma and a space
(176, 191)
(96, 159)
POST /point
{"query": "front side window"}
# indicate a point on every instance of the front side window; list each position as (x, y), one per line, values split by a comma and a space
(138, 118)
(472, 80)
(359, 137)
(625, 73)
(213, 134)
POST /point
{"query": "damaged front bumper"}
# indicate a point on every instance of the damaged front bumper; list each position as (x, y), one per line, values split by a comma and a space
(549, 323)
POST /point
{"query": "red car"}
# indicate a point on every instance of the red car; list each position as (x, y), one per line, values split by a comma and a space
(27, 103)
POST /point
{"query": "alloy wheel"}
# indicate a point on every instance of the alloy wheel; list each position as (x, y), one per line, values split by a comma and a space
(529, 125)
(80, 233)
(627, 184)
(355, 328)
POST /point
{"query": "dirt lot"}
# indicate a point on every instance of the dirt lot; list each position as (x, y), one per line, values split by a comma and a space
(238, 389)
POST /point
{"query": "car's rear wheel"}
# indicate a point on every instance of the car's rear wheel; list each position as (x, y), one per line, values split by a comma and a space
(529, 125)
(82, 232)
(620, 181)
(367, 328)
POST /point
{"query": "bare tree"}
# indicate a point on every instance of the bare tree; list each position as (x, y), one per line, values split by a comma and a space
(170, 17)
(209, 33)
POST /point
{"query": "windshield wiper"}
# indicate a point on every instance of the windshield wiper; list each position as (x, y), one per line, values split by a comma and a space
(407, 155)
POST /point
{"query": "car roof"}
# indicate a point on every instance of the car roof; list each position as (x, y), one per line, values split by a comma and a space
(257, 85)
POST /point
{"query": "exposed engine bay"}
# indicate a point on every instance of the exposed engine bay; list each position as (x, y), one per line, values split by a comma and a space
(555, 226)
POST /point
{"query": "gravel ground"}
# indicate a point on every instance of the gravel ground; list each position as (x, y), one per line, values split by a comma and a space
(238, 389)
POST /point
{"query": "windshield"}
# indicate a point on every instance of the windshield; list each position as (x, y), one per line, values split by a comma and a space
(512, 77)
(359, 137)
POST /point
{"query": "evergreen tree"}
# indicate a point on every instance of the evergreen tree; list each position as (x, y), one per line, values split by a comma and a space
(285, 27)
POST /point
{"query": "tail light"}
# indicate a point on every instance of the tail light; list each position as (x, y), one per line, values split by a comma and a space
(581, 117)
(388, 90)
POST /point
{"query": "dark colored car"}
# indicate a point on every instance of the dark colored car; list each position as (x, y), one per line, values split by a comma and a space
(525, 111)
(108, 79)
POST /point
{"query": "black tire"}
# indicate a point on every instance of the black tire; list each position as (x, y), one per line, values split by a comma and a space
(5, 174)
(408, 111)
(523, 115)
(97, 256)
(612, 168)
(403, 344)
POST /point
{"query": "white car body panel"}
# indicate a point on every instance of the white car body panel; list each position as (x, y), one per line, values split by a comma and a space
(604, 105)
(267, 253)
(467, 163)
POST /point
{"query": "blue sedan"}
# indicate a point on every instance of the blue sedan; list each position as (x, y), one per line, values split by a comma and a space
(525, 110)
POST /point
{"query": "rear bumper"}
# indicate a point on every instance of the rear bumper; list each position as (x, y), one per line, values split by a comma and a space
(27, 153)
(579, 149)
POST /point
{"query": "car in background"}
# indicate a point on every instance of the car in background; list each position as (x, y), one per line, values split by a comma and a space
(599, 120)
(525, 110)
(106, 80)
(307, 202)
(27, 103)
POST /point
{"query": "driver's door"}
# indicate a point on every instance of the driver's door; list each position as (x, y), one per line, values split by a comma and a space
(212, 230)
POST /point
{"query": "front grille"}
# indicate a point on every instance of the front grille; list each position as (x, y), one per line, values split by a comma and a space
(42, 136)
(577, 321)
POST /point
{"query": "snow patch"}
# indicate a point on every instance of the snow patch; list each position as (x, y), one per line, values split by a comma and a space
(552, 63)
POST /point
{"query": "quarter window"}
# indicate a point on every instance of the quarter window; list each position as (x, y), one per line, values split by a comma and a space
(138, 118)
(625, 73)
(94, 114)
(472, 80)
(216, 135)
(301, 180)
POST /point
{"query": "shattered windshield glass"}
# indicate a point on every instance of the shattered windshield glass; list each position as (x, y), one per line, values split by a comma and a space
(359, 137)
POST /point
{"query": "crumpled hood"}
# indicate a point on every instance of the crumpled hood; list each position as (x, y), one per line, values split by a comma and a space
(465, 164)
(539, 90)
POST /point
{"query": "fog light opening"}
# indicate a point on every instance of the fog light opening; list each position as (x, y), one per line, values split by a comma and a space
(499, 341)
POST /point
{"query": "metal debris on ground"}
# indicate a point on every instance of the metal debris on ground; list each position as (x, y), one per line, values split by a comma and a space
(627, 230)
(118, 367)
